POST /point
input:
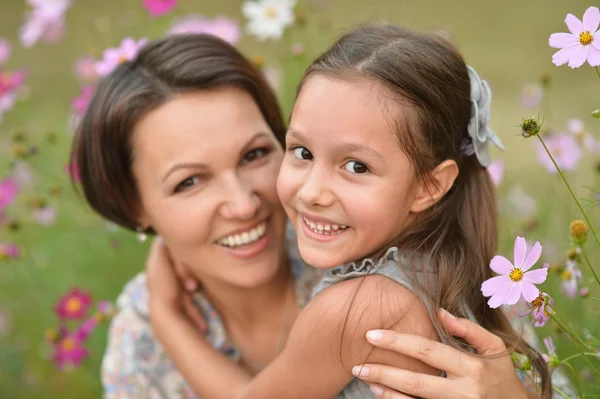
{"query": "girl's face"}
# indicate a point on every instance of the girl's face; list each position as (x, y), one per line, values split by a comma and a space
(344, 182)
(206, 164)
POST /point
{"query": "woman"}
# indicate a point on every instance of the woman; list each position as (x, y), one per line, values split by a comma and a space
(186, 141)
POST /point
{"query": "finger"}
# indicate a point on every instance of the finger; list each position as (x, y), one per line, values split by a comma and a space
(406, 381)
(386, 393)
(435, 354)
(483, 341)
(194, 313)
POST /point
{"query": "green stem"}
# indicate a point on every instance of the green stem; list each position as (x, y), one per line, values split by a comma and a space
(575, 338)
(598, 71)
(564, 395)
(575, 378)
(579, 354)
(589, 264)
(574, 197)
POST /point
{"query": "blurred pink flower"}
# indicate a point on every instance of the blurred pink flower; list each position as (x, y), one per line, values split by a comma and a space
(72, 170)
(44, 20)
(582, 44)
(515, 280)
(222, 27)
(44, 216)
(531, 96)
(8, 192)
(551, 357)
(571, 277)
(112, 57)
(80, 103)
(540, 309)
(564, 148)
(496, 171)
(69, 351)
(298, 49)
(5, 50)
(584, 292)
(73, 305)
(9, 251)
(85, 68)
(106, 308)
(10, 83)
(157, 8)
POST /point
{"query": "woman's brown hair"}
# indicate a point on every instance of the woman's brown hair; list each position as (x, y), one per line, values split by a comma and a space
(457, 237)
(164, 68)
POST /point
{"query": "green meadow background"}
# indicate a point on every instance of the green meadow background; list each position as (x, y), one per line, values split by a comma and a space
(507, 42)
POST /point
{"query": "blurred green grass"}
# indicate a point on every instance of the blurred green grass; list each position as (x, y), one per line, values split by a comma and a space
(505, 41)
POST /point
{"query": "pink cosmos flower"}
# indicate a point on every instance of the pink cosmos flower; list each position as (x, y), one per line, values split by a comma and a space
(8, 192)
(9, 251)
(80, 103)
(44, 20)
(10, 83)
(5, 50)
(582, 44)
(85, 68)
(515, 280)
(69, 351)
(112, 57)
(73, 305)
(564, 148)
(222, 27)
(157, 8)
(540, 309)
(550, 358)
(571, 277)
(496, 171)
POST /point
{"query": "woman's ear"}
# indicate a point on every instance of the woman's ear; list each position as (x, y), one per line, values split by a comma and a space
(431, 191)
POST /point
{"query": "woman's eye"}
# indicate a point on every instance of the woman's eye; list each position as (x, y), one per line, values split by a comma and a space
(302, 153)
(356, 167)
(255, 154)
(187, 183)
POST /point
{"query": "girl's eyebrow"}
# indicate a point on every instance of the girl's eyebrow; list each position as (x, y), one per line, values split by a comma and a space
(355, 147)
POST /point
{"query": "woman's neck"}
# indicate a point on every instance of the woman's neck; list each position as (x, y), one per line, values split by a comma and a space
(251, 306)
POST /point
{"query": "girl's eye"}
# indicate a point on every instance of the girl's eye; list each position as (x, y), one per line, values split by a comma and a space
(187, 183)
(356, 167)
(302, 153)
(255, 154)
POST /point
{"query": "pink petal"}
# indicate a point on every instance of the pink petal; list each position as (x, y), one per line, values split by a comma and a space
(497, 299)
(520, 251)
(501, 265)
(514, 294)
(561, 40)
(574, 24)
(533, 256)
(579, 57)
(593, 57)
(493, 285)
(591, 19)
(537, 276)
(530, 291)
(562, 56)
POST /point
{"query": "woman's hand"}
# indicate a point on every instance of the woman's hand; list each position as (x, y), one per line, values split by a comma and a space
(469, 376)
(171, 286)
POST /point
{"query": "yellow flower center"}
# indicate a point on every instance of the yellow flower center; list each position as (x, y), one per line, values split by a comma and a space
(73, 305)
(68, 344)
(538, 302)
(3, 254)
(585, 37)
(566, 275)
(516, 274)
(123, 59)
(271, 13)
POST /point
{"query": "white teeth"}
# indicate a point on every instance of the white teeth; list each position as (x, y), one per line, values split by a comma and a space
(244, 238)
(324, 229)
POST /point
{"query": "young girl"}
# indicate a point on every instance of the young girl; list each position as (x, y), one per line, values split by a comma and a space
(384, 173)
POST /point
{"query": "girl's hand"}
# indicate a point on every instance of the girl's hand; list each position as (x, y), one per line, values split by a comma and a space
(171, 285)
(469, 376)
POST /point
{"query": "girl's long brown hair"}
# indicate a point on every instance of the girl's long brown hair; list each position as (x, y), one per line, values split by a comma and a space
(457, 237)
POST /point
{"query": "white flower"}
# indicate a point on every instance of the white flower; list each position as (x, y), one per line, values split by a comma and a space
(267, 19)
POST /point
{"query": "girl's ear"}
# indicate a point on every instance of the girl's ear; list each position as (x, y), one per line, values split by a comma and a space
(430, 192)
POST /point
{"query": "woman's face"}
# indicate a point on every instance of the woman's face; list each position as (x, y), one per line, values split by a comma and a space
(206, 164)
